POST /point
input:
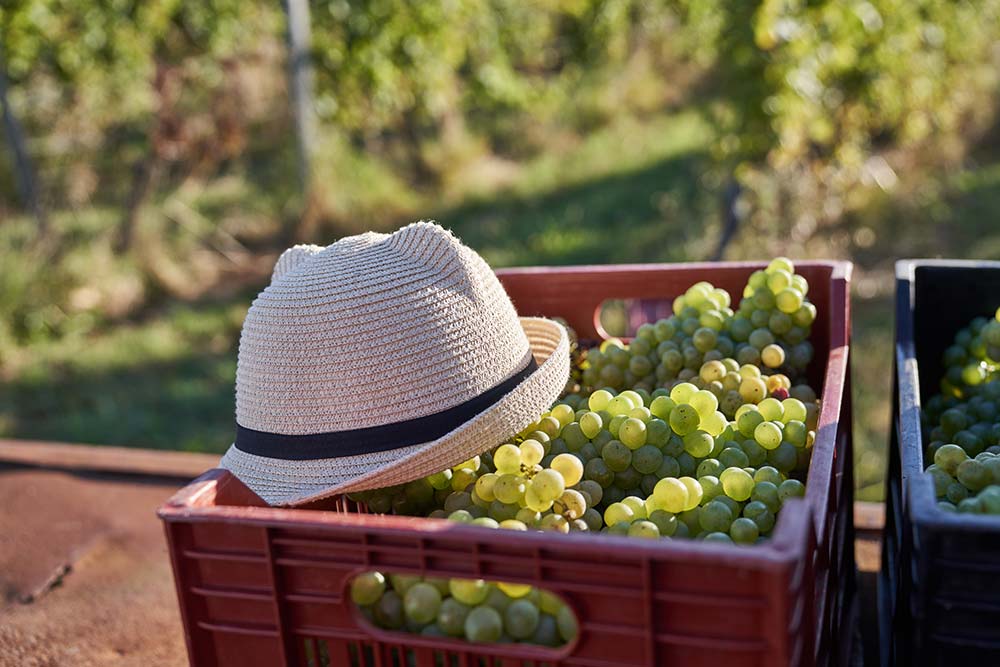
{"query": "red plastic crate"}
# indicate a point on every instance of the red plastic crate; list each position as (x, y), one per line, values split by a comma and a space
(267, 586)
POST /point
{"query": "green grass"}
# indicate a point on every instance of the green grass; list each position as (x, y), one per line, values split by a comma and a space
(633, 191)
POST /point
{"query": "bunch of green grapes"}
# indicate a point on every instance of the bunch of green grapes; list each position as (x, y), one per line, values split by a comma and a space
(962, 424)
(523, 494)
(774, 318)
(770, 330)
(422, 496)
(973, 360)
(472, 609)
(672, 349)
(970, 485)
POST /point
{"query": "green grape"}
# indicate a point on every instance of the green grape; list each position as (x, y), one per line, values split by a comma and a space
(710, 467)
(533, 501)
(772, 355)
(591, 490)
(634, 396)
(388, 611)
(598, 471)
(794, 410)
(563, 414)
(768, 435)
(528, 517)
(547, 632)
(485, 522)
(570, 504)
(643, 528)
(657, 433)
(647, 459)
(566, 624)
(771, 409)
(460, 516)
(461, 479)
(714, 424)
(483, 624)
(573, 435)
(704, 402)
(756, 454)
(711, 488)
(632, 433)
(620, 405)
(758, 513)
(767, 493)
(451, 617)
(421, 603)
(733, 457)
(550, 426)
(618, 513)
(789, 300)
(469, 591)
(441, 480)
(590, 424)
(513, 524)
(694, 492)
(367, 588)
(507, 459)
(617, 456)
(791, 488)
(744, 531)
(796, 433)
(614, 426)
(484, 486)
(684, 419)
(637, 505)
(747, 422)
(554, 523)
(687, 464)
(569, 467)
(682, 392)
(949, 457)
(662, 406)
(642, 414)
(753, 390)
(532, 452)
(785, 457)
(974, 475)
(509, 488)
(670, 493)
(599, 400)
(715, 516)
(718, 537)
(805, 315)
(698, 444)
(737, 483)
(520, 619)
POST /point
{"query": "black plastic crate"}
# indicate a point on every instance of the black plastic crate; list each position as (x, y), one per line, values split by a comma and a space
(939, 589)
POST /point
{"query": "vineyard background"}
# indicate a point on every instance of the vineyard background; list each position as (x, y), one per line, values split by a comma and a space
(150, 170)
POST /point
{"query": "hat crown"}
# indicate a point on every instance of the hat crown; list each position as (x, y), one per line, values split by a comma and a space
(374, 329)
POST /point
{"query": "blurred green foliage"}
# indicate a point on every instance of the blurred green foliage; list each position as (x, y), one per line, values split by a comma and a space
(828, 102)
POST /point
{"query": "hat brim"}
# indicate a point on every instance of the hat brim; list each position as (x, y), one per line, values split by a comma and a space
(284, 482)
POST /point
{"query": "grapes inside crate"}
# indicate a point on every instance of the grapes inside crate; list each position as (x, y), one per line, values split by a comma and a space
(699, 429)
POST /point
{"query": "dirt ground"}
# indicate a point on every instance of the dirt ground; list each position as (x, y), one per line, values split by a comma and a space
(84, 571)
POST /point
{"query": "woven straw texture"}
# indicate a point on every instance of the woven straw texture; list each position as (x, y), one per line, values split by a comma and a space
(378, 329)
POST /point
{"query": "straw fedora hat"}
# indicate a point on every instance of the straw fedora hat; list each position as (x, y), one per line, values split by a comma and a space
(381, 359)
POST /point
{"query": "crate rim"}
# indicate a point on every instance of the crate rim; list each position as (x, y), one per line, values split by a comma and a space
(840, 268)
(921, 505)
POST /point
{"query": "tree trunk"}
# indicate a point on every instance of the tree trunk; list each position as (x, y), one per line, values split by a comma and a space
(301, 87)
(144, 177)
(730, 218)
(23, 169)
